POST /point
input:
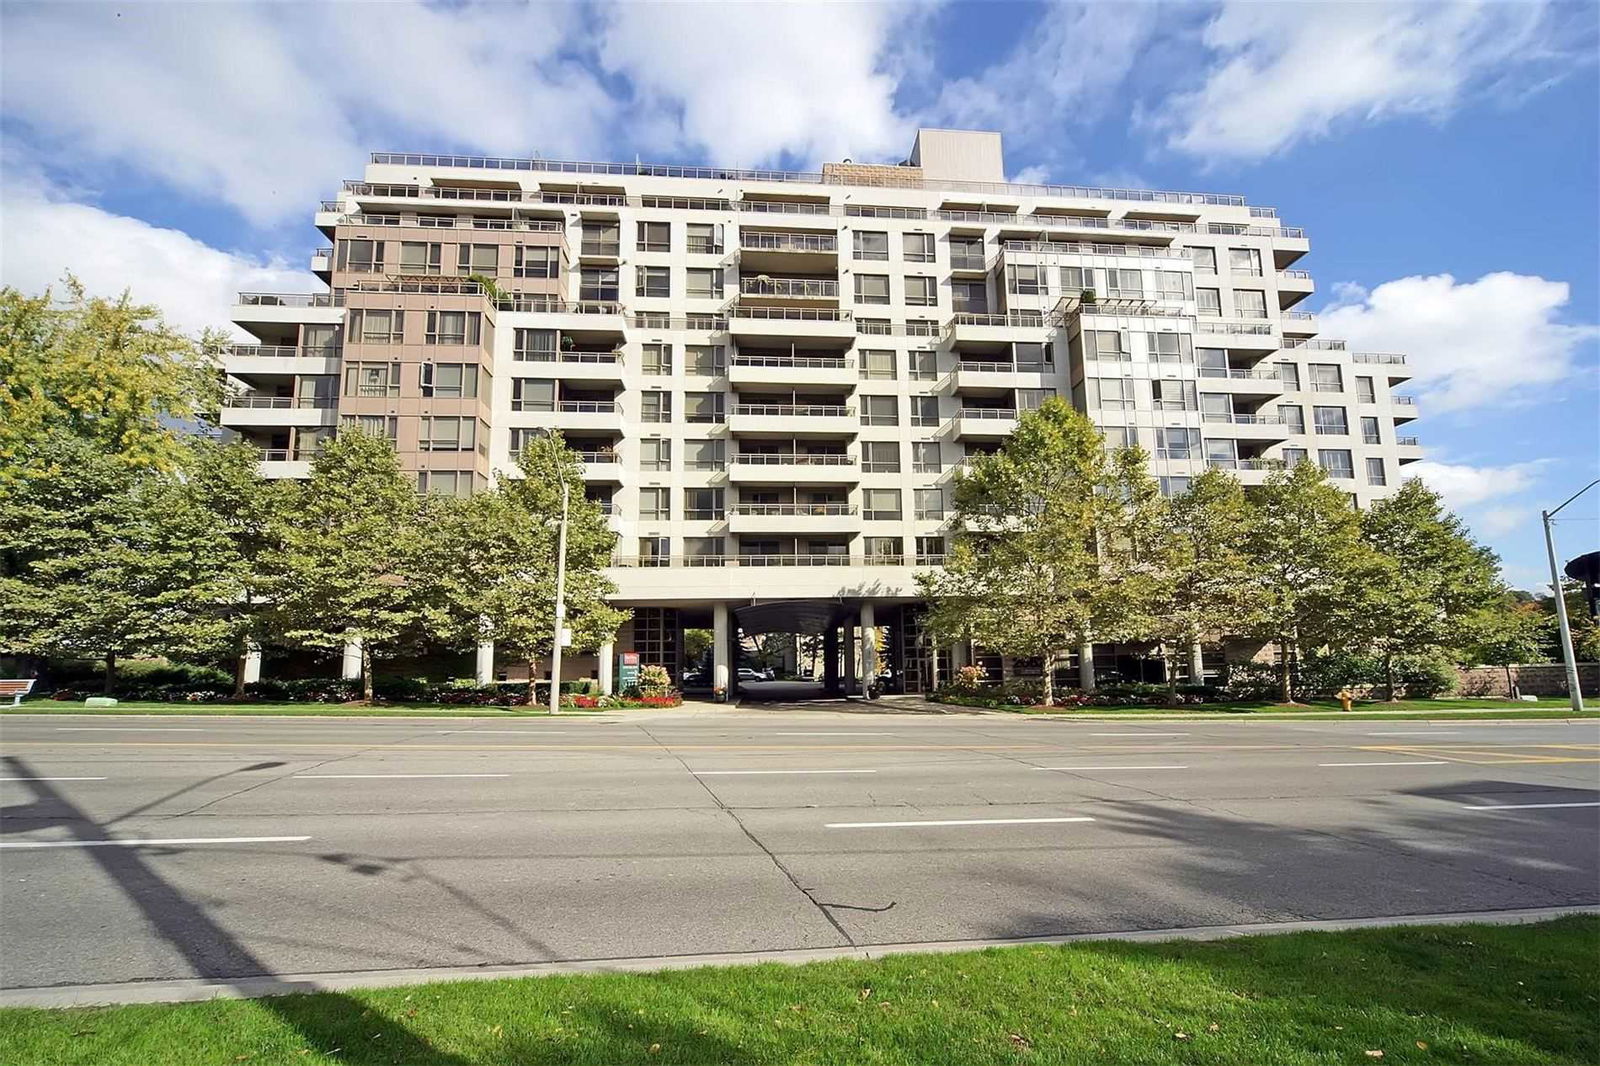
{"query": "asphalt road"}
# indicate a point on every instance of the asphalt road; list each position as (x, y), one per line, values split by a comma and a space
(299, 846)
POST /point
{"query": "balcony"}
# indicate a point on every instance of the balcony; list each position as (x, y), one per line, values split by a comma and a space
(246, 360)
(1405, 408)
(985, 422)
(794, 518)
(764, 289)
(1252, 427)
(793, 419)
(968, 264)
(603, 365)
(749, 369)
(322, 263)
(745, 320)
(794, 468)
(281, 463)
(787, 251)
(979, 218)
(276, 309)
(1294, 286)
(1394, 366)
(601, 464)
(1001, 374)
(1240, 335)
(569, 415)
(244, 411)
(1241, 382)
(1410, 449)
(976, 327)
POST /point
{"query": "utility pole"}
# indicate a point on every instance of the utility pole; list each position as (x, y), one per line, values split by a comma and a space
(561, 581)
(1567, 654)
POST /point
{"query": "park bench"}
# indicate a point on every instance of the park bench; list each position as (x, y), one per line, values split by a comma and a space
(16, 688)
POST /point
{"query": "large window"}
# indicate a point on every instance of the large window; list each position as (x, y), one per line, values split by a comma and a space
(533, 394)
(704, 454)
(1208, 302)
(421, 257)
(1293, 457)
(654, 551)
(1174, 285)
(704, 238)
(1124, 285)
(880, 411)
(1204, 259)
(709, 360)
(445, 482)
(704, 284)
(655, 406)
(1246, 261)
(1111, 394)
(1024, 279)
(372, 379)
(921, 291)
(872, 288)
(656, 358)
(702, 407)
(1170, 394)
(1336, 462)
(1250, 303)
(453, 327)
(703, 551)
(928, 504)
(924, 410)
(1330, 421)
(1177, 442)
(871, 245)
(877, 365)
(1292, 415)
(369, 326)
(384, 426)
(655, 236)
(1169, 347)
(535, 345)
(1365, 392)
(1325, 377)
(970, 297)
(930, 551)
(450, 380)
(478, 259)
(319, 340)
(446, 434)
(598, 285)
(601, 238)
(703, 505)
(924, 365)
(1289, 376)
(880, 505)
(1107, 344)
(652, 281)
(887, 549)
(917, 247)
(655, 504)
(655, 453)
(536, 261)
(880, 457)
(360, 257)
(926, 458)
(1369, 430)
(1375, 473)
(966, 253)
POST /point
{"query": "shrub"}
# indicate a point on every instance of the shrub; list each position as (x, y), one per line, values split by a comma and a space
(306, 689)
(1247, 679)
(654, 681)
(968, 679)
(1423, 677)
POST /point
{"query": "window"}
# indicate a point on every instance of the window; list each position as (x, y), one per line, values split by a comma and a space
(655, 504)
(537, 261)
(446, 434)
(419, 257)
(1208, 302)
(1024, 279)
(1365, 393)
(930, 551)
(1325, 377)
(1250, 303)
(1293, 457)
(1076, 279)
(377, 327)
(655, 236)
(450, 380)
(924, 365)
(1173, 486)
(917, 247)
(880, 456)
(372, 379)
(966, 253)
(704, 359)
(704, 284)
(880, 505)
(880, 411)
(1118, 437)
(872, 245)
(1204, 259)
(1289, 375)
(1336, 462)
(1177, 442)
(925, 457)
(1245, 261)
(1032, 399)
(1213, 362)
(1222, 454)
(601, 238)
(703, 455)
(702, 505)
(1174, 285)
(433, 221)
(656, 358)
(535, 345)
(1292, 415)
(971, 297)
(929, 504)
(655, 453)
(1169, 394)
(1216, 406)
(1124, 284)
(655, 551)
(705, 238)
(453, 327)
(877, 365)
(445, 482)
(884, 549)
(655, 406)
(598, 285)
(1375, 474)
(1169, 347)
(702, 551)
(1107, 344)
(924, 410)
(385, 426)
(1369, 430)
(1111, 394)
(921, 291)
(872, 288)
(478, 259)
(361, 257)
(702, 407)
(652, 281)
(1027, 355)
(1330, 421)
(533, 394)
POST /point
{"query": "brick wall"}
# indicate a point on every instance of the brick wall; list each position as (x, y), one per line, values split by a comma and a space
(1535, 679)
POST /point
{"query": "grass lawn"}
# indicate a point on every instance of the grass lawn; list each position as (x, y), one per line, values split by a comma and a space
(1435, 994)
(290, 709)
(1402, 709)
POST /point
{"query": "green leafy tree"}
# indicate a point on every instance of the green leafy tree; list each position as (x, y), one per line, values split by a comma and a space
(1305, 544)
(108, 372)
(1512, 633)
(1205, 584)
(1048, 526)
(502, 545)
(350, 561)
(1422, 585)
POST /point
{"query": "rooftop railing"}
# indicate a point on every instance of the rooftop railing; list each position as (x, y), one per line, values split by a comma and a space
(1144, 225)
(1259, 329)
(1235, 229)
(1146, 251)
(1383, 358)
(520, 225)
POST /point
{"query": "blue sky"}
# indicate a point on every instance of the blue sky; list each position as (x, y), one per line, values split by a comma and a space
(1445, 157)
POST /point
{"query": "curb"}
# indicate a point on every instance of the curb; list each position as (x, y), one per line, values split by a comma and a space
(189, 991)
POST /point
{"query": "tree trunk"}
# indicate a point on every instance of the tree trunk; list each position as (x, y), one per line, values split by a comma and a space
(238, 674)
(533, 684)
(1049, 690)
(111, 671)
(1285, 671)
(1172, 677)
(366, 671)
(1511, 689)
(1388, 676)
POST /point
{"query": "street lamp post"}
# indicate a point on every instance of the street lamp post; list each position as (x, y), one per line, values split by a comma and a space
(561, 581)
(1567, 655)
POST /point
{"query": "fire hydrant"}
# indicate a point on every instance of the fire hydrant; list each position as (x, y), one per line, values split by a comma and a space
(1345, 696)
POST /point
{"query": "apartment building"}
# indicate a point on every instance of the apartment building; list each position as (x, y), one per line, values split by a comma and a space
(773, 377)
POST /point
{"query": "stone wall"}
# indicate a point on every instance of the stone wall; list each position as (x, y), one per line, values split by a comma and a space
(871, 174)
(1534, 679)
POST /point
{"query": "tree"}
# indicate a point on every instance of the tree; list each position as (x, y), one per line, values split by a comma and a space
(1511, 633)
(106, 560)
(502, 544)
(350, 561)
(1305, 545)
(1423, 583)
(111, 373)
(1047, 525)
(1205, 581)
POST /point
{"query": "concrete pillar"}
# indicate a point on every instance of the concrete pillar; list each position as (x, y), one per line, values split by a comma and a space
(252, 663)
(830, 660)
(869, 647)
(608, 661)
(350, 668)
(1086, 667)
(1197, 665)
(721, 649)
(959, 656)
(791, 656)
(485, 664)
(847, 673)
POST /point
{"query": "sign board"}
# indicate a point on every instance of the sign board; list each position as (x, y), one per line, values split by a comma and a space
(627, 670)
(566, 637)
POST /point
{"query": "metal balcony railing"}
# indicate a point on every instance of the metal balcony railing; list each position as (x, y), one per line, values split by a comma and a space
(1295, 275)
(1404, 401)
(1235, 229)
(1407, 442)
(270, 351)
(292, 299)
(1144, 225)
(997, 413)
(987, 218)
(789, 362)
(598, 456)
(1383, 358)
(797, 510)
(789, 242)
(1239, 375)
(1315, 344)
(787, 410)
(302, 403)
(782, 207)
(793, 288)
(1014, 319)
(1257, 329)
(995, 366)
(608, 249)
(274, 455)
(1146, 251)
(969, 262)
(794, 459)
(1243, 420)
(790, 314)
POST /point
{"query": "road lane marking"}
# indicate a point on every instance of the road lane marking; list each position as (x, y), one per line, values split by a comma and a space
(1523, 806)
(336, 777)
(1110, 767)
(128, 729)
(729, 773)
(12, 779)
(143, 843)
(1419, 762)
(1138, 734)
(849, 733)
(502, 732)
(1418, 733)
(964, 821)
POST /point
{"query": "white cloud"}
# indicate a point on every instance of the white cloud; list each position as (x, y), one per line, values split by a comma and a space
(1469, 344)
(1289, 72)
(1465, 485)
(1035, 175)
(193, 283)
(1498, 521)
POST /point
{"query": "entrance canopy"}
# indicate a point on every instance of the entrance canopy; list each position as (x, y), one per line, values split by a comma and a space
(793, 616)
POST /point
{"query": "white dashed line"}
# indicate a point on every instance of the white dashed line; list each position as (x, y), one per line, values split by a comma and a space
(730, 773)
(1522, 806)
(142, 843)
(1427, 762)
(966, 821)
(1104, 768)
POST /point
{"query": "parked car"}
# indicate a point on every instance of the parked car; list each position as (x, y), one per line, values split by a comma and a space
(750, 673)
